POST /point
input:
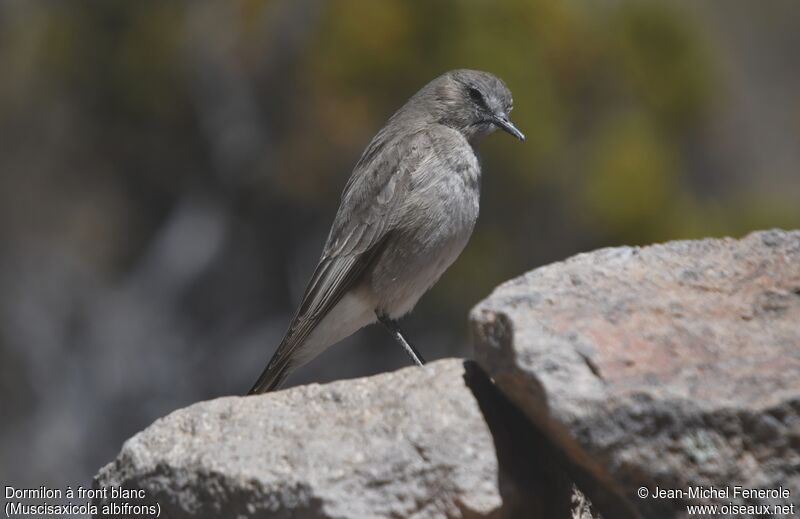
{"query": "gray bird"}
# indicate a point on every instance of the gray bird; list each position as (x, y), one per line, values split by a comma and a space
(405, 215)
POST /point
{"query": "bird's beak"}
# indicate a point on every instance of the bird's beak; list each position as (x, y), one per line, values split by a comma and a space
(505, 123)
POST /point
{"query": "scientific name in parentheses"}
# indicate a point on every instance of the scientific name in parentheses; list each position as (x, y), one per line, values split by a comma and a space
(733, 492)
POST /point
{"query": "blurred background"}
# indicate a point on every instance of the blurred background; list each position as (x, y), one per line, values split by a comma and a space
(169, 172)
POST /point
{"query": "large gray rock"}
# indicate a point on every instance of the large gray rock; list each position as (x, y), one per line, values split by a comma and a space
(414, 443)
(673, 365)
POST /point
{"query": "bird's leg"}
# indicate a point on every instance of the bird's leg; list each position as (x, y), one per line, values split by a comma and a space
(394, 329)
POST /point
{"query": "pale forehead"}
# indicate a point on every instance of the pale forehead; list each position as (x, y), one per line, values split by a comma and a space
(488, 84)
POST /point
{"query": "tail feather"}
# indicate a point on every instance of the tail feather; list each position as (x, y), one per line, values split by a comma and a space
(278, 368)
(272, 377)
(334, 276)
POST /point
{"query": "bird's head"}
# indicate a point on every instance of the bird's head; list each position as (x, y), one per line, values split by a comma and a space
(473, 102)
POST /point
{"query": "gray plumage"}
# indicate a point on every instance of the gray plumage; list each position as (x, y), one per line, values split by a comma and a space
(405, 215)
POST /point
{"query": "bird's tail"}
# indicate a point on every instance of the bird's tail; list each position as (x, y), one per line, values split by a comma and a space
(278, 368)
(271, 378)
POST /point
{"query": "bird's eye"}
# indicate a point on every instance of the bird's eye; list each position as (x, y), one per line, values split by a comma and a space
(476, 96)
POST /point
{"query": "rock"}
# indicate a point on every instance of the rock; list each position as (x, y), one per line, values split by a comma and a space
(414, 443)
(582, 507)
(674, 365)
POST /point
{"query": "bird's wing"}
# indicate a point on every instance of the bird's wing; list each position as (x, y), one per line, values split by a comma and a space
(368, 210)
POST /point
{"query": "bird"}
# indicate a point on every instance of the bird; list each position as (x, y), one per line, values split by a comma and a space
(406, 213)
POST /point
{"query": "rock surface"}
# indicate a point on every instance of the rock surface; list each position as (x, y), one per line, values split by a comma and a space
(673, 365)
(414, 443)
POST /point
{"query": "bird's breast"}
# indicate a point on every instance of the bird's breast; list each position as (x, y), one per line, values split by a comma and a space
(445, 196)
(436, 222)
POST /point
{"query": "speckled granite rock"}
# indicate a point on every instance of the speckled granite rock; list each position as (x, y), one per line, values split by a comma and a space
(672, 365)
(413, 443)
